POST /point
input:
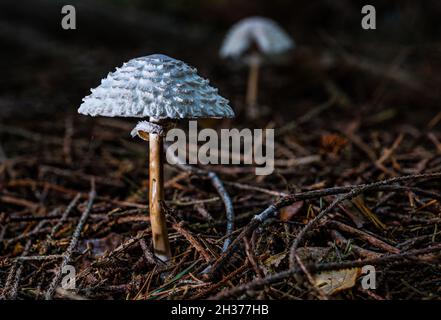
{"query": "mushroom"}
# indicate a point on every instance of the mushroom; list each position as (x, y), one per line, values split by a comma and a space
(252, 39)
(161, 89)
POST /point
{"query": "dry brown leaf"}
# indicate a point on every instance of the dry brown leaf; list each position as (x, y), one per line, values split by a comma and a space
(275, 259)
(333, 143)
(331, 282)
(287, 213)
(18, 248)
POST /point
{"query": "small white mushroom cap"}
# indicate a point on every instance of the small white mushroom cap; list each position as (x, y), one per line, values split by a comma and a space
(156, 86)
(269, 37)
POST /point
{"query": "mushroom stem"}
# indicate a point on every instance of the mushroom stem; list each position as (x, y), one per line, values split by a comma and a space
(253, 79)
(158, 222)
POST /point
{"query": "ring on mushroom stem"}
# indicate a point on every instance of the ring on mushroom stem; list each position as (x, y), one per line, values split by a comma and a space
(161, 89)
(251, 40)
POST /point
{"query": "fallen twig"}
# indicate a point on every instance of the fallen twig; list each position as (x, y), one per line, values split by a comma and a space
(219, 186)
(273, 209)
(73, 243)
(355, 192)
(179, 227)
(384, 259)
(11, 287)
(60, 222)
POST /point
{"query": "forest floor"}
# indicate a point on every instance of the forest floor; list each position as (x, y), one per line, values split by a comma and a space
(74, 191)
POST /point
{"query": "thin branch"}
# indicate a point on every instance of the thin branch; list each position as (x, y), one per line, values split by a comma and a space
(60, 222)
(278, 277)
(273, 209)
(353, 193)
(11, 287)
(73, 243)
(220, 188)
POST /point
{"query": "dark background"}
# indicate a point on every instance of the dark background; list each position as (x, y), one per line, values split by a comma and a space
(46, 69)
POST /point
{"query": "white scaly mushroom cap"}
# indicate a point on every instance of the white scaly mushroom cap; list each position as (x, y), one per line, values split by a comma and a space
(270, 38)
(155, 86)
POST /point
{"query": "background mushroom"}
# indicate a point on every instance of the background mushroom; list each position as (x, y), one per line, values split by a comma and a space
(162, 89)
(251, 40)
